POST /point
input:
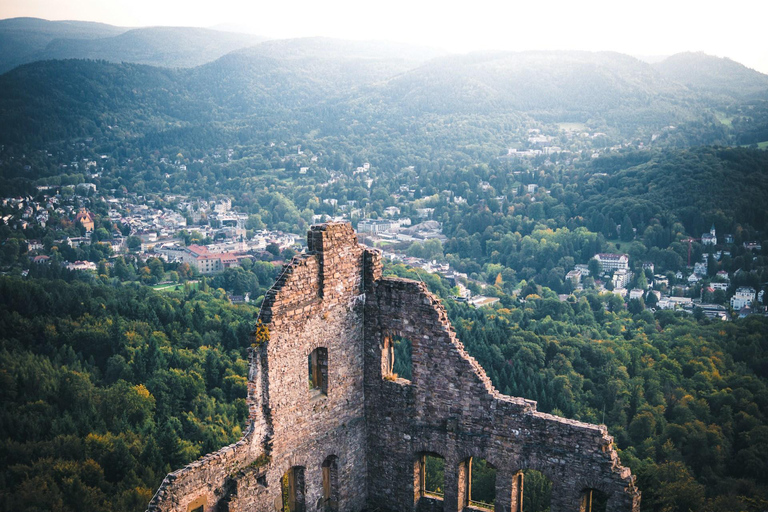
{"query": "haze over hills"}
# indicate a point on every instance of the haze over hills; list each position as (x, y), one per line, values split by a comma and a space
(24, 40)
(711, 74)
(334, 79)
(567, 85)
(157, 46)
(21, 38)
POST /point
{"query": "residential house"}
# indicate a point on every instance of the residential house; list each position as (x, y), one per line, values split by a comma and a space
(744, 296)
(85, 219)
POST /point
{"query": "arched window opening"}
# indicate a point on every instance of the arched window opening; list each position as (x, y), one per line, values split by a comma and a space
(538, 491)
(396, 357)
(477, 484)
(593, 500)
(330, 484)
(429, 476)
(317, 363)
(292, 488)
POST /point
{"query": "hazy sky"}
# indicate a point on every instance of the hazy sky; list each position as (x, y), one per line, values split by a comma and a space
(735, 28)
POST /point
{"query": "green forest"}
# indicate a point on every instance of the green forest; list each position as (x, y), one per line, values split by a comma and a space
(105, 390)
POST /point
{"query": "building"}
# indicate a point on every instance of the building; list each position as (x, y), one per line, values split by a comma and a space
(377, 226)
(85, 219)
(610, 262)
(714, 311)
(331, 426)
(709, 238)
(744, 296)
(621, 278)
(574, 276)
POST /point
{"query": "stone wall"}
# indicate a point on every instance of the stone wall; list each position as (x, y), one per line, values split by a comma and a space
(451, 409)
(374, 426)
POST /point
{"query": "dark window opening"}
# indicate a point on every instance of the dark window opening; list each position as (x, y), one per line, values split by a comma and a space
(593, 500)
(538, 491)
(330, 484)
(396, 357)
(317, 363)
(292, 490)
(429, 476)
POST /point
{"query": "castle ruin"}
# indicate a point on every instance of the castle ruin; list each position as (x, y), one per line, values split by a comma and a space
(332, 428)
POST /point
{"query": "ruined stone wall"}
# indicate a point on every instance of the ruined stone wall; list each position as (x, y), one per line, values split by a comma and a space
(451, 409)
(317, 302)
(374, 426)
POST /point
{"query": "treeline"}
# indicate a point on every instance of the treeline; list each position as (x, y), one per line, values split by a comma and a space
(106, 389)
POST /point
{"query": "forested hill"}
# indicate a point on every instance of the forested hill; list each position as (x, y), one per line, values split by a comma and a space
(24, 40)
(158, 46)
(699, 187)
(21, 38)
(565, 85)
(713, 74)
(328, 85)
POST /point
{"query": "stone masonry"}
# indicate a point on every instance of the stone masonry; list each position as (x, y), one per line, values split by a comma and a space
(354, 442)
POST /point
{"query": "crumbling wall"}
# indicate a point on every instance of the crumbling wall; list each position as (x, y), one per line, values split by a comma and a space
(450, 408)
(374, 426)
(317, 302)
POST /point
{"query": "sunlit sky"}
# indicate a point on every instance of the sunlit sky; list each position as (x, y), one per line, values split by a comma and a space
(734, 28)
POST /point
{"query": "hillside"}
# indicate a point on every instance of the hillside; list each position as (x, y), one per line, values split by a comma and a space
(332, 82)
(715, 75)
(557, 86)
(52, 100)
(699, 186)
(21, 38)
(157, 46)
(299, 73)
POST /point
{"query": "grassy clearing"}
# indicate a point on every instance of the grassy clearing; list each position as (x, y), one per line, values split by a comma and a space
(173, 287)
(573, 127)
(724, 119)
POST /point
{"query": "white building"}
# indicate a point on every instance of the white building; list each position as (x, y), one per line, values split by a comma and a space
(745, 296)
(621, 278)
(574, 276)
(376, 226)
(709, 238)
(610, 262)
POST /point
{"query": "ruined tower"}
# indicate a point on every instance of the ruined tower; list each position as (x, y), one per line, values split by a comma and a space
(331, 427)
